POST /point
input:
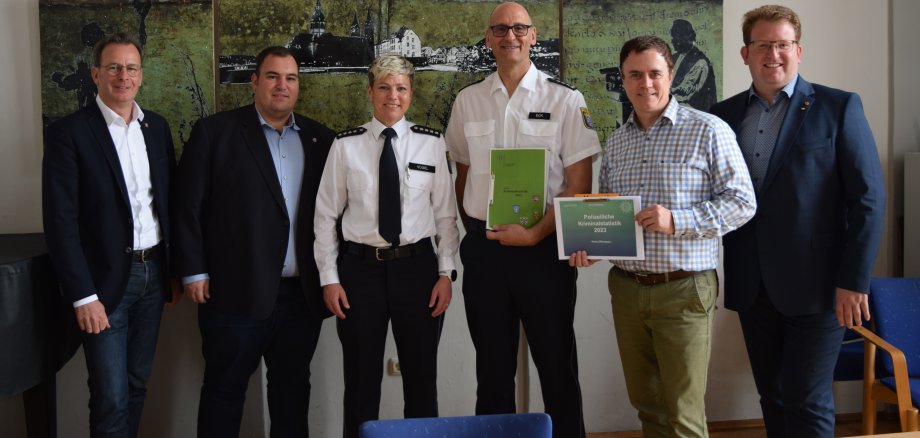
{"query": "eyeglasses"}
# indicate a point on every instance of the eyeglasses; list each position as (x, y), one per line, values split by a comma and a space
(500, 30)
(116, 69)
(782, 46)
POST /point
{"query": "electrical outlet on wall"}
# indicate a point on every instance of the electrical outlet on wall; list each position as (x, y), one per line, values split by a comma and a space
(393, 367)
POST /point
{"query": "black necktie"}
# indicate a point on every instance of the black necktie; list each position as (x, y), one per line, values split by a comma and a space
(389, 224)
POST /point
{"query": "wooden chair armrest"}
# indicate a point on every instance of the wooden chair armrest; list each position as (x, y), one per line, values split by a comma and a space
(901, 379)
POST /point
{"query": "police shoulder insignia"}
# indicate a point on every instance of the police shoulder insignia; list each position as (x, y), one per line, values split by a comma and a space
(586, 118)
(425, 130)
(557, 81)
(471, 84)
(351, 132)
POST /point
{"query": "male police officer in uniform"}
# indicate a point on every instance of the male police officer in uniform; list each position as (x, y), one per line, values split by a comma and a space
(512, 274)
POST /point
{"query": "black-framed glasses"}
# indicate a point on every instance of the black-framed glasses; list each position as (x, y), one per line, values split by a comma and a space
(500, 30)
(116, 69)
(763, 46)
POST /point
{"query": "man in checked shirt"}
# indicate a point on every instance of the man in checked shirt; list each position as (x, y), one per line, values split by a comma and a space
(688, 170)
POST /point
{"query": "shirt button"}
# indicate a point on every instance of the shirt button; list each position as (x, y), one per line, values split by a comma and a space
(285, 156)
(756, 155)
(285, 177)
(761, 131)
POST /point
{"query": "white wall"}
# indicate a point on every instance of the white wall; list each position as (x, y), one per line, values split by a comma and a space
(846, 45)
(905, 121)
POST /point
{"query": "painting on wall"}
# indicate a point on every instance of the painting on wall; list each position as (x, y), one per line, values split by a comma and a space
(335, 41)
(177, 37)
(595, 30)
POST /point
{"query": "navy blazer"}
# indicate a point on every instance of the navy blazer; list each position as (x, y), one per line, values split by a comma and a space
(820, 208)
(89, 227)
(230, 218)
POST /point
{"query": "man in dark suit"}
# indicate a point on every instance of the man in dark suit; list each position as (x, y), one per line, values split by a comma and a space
(246, 190)
(799, 271)
(106, 175)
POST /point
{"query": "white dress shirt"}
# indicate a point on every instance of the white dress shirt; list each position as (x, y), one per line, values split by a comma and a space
(132, 155)
(349, 189)
(540, 114)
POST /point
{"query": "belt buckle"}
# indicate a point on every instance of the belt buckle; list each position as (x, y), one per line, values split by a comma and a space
(382, 254)
(642, 279)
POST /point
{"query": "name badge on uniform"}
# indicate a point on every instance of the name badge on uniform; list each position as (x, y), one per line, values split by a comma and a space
(421, 167)
(539, 116)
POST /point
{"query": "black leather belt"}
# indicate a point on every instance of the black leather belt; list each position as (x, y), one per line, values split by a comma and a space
(146, 255)
(387, 254)
(476, 226)
(650, 279)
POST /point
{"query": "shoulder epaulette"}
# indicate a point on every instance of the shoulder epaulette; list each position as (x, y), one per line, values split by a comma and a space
(557, 81)
(426, 130)
(351, 132)
(471, 84)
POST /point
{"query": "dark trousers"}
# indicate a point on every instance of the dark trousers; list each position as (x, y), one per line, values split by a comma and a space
(504, 287)
(397, 292)
(120, 358)
(793, 359)
(233, 347)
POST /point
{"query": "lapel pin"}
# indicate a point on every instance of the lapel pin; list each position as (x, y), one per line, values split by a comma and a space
(314, 139)
(146, 125)
(805, 105)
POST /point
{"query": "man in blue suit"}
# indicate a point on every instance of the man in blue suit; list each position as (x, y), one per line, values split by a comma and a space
(799, 271)
(106, 176)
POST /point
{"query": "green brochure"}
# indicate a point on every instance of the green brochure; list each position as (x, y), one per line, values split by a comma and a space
(518, 186)
(604, 226)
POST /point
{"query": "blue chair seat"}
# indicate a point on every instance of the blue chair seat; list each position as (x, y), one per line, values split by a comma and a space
(914, 386)
(532, 425)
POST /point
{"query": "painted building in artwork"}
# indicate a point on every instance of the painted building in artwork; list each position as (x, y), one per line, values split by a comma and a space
(404, 42)
(319, 48)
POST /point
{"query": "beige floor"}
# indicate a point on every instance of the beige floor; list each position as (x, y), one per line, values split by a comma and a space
(848, 425)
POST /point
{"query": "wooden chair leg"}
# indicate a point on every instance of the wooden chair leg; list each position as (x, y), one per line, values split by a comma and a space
(912, 420)
(869, 414)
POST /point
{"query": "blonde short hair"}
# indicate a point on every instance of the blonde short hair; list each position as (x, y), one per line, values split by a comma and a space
(390, 64)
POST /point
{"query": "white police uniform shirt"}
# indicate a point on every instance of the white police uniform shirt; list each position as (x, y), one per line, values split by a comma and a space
(542, 113)
(349, 189)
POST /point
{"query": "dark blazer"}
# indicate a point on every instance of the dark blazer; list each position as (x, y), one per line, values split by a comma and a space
(820, 208)
(87, 216)
(230, 218)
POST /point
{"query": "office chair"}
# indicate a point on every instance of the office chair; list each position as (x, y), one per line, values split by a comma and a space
(895, 304)
(533, 425)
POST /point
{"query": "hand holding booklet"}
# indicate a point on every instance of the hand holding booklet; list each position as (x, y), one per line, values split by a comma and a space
(602, 225)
